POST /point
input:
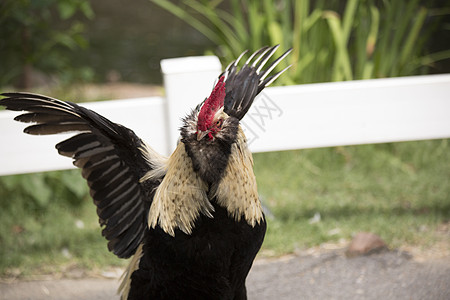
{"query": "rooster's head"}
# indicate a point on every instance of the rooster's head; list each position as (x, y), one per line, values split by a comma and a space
(212, 129)
(211, 117)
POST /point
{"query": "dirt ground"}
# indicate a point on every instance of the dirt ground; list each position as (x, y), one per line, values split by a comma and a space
(324, 275)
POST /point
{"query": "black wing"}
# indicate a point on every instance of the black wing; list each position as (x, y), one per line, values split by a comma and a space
(112, 158)
(242, 86)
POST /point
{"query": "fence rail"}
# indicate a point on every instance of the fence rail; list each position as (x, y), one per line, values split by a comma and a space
(282, 118)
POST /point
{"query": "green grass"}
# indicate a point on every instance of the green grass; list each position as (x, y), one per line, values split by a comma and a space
(399, 191)
(45, 240)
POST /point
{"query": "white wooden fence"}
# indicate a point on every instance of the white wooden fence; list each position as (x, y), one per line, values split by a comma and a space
(282, 118)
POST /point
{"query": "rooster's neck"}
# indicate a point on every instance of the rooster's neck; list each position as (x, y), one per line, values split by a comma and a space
(181, 196)
(237, 191)
(186, 191)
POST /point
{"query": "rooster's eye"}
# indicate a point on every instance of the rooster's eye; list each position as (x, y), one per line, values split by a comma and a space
(219, 123)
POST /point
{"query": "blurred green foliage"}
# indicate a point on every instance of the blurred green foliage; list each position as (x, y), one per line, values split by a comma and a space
(38, 35)
(38, 191)
(331, 40)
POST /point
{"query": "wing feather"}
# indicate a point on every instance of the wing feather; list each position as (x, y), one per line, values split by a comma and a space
(110, 208)
(112, 159)
(133, 236)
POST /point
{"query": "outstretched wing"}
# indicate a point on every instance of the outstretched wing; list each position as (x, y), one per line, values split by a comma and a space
(242, 86)
(112, 158)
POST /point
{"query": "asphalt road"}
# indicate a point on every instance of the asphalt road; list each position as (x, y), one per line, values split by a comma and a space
(386, 275)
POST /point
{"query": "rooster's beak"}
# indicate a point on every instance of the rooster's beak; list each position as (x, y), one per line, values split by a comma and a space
(201, 134)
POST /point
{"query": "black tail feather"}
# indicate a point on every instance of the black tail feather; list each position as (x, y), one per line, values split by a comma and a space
(242, 86)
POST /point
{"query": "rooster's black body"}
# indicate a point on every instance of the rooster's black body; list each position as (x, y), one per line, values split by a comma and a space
(192, 222)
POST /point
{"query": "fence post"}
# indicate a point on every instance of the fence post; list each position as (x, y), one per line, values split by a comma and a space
(187, 82)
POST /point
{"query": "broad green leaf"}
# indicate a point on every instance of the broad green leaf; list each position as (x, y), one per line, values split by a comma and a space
(275, 33)
(66, 9)
(86, 9)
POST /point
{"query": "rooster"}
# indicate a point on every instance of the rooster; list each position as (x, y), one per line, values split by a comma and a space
(191, 222)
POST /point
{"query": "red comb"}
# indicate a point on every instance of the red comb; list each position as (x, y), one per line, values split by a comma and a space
(211, 105)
